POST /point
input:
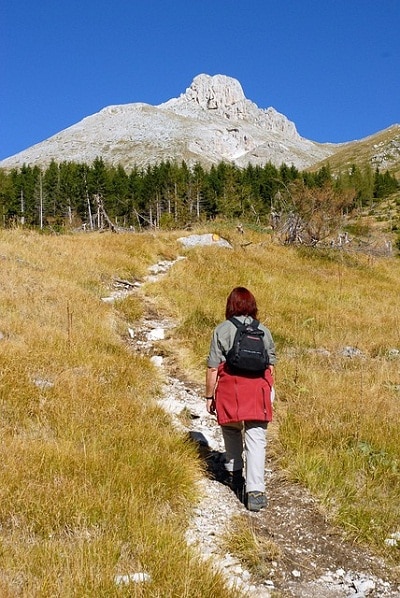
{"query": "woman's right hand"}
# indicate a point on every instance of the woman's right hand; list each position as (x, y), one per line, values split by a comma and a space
(211, 406)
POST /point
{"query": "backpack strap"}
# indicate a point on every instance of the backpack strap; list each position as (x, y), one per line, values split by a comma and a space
(236, 322)
(254, 324)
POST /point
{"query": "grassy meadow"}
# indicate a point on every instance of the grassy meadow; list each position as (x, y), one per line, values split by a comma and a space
(96, 483)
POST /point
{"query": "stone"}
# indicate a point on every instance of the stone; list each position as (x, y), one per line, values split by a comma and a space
(43, 383)
(206, 239)
(131, 577)
(364, 586)
(157, 360)
(351, 352)
(157, 334)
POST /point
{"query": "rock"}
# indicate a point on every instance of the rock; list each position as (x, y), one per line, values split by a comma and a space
(201, 240)
(364, 586)
(223, 96)
(131, 578)
(157, 334)
(351, 352)
(157, 360)
(43, 383)
(161, 268)
(340, 572)
(269, 583)
(392, 542)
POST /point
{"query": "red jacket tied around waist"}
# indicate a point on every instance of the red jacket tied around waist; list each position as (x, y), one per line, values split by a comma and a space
(243, 398)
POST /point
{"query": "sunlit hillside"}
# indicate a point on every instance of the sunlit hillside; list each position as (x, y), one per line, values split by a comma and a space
(84, 493)
(381, 150)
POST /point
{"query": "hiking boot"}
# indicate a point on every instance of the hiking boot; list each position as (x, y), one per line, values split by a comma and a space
(256, 501)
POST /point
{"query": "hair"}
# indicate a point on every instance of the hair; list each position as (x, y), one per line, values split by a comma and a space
(241, 303)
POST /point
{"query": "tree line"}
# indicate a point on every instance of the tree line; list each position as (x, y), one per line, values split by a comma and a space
(170, 195)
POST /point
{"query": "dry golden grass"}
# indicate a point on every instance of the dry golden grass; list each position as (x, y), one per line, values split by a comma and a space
(359, 152)
(94, 480)
(96, 483)
(254, 550)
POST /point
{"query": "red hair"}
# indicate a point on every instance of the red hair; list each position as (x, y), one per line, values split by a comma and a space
(241, 303)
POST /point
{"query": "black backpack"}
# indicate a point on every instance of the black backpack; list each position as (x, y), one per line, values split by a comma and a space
(247, 355)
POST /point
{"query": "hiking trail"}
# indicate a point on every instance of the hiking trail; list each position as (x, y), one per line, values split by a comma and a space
(315, 559)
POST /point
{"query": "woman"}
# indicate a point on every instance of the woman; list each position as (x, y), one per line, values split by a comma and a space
(241, 402)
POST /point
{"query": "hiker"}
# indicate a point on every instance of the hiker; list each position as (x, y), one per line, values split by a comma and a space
(241, 400)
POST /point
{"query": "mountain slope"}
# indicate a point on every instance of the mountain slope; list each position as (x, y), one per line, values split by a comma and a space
(380, 150)
(212, 121)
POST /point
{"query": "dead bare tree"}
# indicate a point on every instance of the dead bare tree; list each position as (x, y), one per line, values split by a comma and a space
(310, 215)
(101, 211)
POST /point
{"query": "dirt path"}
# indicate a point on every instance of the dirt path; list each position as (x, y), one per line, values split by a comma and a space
(315, 561)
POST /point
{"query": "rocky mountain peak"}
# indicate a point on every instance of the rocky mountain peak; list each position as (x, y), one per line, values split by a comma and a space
(218, 92)
(222, 96)
(210, 122)
(210, 95)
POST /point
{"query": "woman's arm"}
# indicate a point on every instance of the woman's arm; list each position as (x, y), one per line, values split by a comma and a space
(211, 381)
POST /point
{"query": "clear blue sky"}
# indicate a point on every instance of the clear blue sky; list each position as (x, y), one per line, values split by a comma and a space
(331, 66)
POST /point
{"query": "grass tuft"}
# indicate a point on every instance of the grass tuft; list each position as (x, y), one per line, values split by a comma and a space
(255, 551)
